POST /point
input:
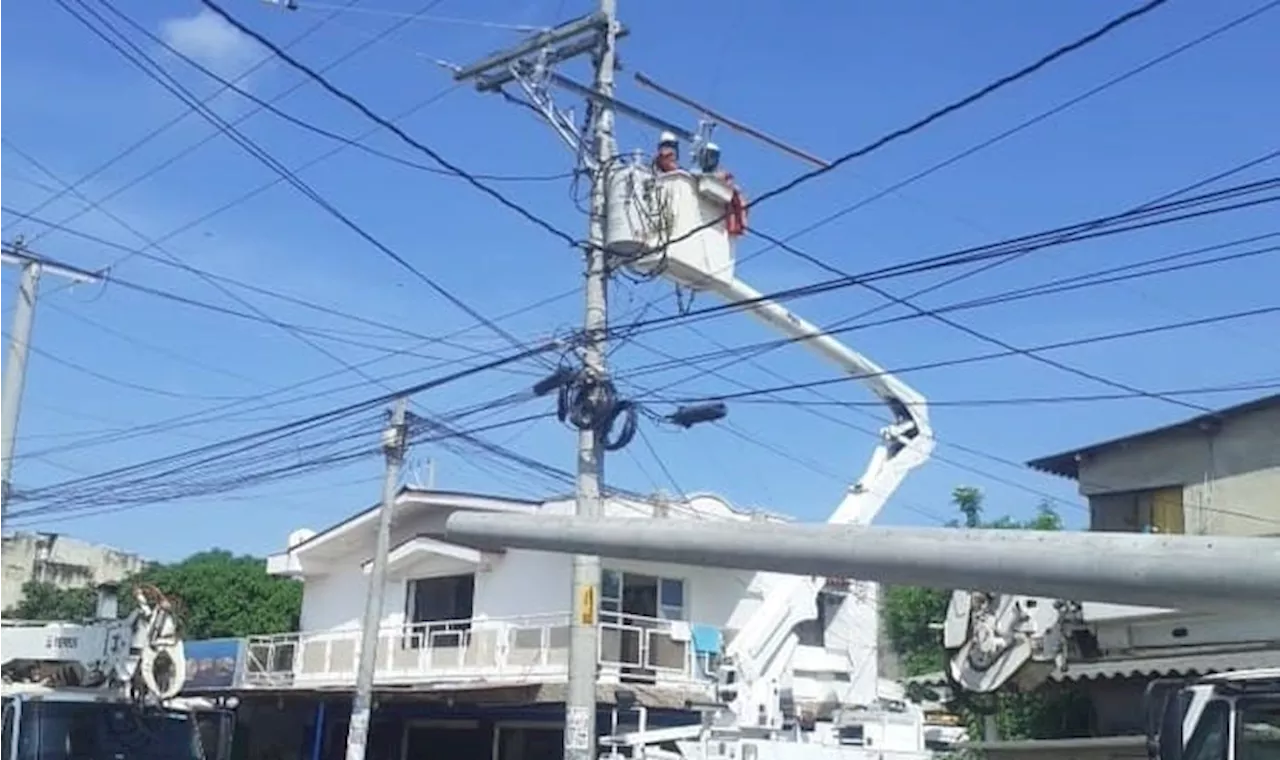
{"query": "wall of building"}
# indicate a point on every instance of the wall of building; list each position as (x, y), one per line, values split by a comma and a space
(1230, 477)
(515, 583)
(63, 561)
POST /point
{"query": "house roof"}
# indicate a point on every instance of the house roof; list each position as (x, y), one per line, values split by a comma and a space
(353, 533)
(1067, 463)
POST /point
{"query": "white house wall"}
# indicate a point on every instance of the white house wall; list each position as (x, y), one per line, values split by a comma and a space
(516, 584)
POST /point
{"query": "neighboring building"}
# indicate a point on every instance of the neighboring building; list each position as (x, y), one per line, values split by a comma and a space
(482, 637)
(1215, 474)
(63, 561)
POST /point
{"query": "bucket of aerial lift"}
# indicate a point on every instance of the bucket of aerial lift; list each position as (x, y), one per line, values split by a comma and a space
(670, 224)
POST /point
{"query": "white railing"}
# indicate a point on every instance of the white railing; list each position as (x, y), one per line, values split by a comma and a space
(533, 649)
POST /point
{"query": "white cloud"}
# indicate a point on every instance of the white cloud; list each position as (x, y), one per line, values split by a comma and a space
(208, 39)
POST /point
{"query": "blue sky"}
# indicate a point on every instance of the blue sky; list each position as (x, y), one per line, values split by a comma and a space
(829, 77)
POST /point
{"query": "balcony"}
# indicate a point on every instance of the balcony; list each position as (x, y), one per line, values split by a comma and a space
(511, 651)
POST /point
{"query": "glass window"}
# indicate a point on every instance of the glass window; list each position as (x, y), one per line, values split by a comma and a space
(1258, 729)
(6, 742)
(1209, 740)
(74, 730)
(611, 585)
(671, 598)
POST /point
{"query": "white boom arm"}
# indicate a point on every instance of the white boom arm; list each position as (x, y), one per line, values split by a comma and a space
(141, 653)
(757, 657)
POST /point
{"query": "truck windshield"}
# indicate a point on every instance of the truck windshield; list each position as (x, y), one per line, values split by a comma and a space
(97, 731)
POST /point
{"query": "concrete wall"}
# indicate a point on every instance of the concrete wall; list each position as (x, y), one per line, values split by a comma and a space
(513, 584)
(60, 560)
(1230, 477)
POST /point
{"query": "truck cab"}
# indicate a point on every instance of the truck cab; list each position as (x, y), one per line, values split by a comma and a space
(41, 723)
(1230, 716)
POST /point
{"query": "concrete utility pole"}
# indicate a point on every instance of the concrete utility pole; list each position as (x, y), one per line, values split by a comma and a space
(530, 65)
(584, 633)
(15, 371)
(393, 445)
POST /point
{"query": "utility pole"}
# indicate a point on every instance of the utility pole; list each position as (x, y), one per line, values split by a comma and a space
(393, 446)
(530, 65)
(584, 632)
(15, 371)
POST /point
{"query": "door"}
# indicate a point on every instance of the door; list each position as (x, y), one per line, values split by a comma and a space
(1167, 514)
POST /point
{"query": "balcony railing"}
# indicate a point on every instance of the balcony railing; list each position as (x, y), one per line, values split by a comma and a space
(494, 651)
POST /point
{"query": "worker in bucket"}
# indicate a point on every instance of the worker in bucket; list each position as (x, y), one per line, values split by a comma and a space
(736, 212)
(668, 156)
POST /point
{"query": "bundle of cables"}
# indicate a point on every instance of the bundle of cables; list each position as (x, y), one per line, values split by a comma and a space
(587, 402)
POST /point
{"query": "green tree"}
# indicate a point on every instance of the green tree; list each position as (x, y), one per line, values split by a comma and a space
(219, 594)
(911, 617)
(45, 601)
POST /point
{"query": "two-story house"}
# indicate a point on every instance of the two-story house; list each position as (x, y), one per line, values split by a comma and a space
(473, 649)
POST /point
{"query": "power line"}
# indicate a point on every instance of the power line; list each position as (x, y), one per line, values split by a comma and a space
(270, 293)
(388, 125)
(169, 83)
(986, 338)
(1028, 400)
(173, 122)
(237, 444)
(1098, 227)
(1106, 337)
(942, 112)
(1025, 124)
(269, 105)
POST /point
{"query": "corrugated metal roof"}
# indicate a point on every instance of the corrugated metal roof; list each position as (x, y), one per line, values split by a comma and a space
(1172, 665)
(1067, 463)
(1191, 664)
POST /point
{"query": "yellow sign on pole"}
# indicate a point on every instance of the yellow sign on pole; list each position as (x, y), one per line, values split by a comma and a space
(587, 604)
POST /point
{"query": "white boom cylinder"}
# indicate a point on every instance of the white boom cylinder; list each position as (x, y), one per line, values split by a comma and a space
(1199, 573)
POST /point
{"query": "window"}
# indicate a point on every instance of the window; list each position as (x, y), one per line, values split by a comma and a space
(1209, 741)
(1258, 729)
(6, 742)
(74, 730)
(447, 600)
(625, 595)
(1157, 510)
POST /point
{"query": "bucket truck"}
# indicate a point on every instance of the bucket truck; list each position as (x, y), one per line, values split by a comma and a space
(682, 225)
(105, 689)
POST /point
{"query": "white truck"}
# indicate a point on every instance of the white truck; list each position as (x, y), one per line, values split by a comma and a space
(106, 689)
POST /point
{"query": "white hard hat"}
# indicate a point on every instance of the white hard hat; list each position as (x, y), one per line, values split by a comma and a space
(712, 148)
(667, 138)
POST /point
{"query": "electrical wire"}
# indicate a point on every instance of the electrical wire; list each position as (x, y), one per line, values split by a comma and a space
(177, 263)
(929, 119)
(1098, 227)
(169, 83)
(746, 352)
(980, 335)
(269, 106)
(219, 451)
(1025, 124)
(1264, 385)
(254, 150)
(389, 126)
(174, 121)
(1075, 342)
